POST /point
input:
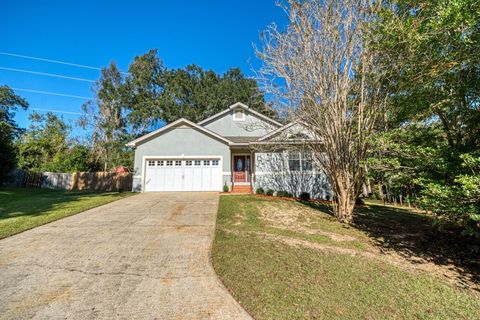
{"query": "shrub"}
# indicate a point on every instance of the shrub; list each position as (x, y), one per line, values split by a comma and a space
(260, 191)
(270, 192)
(290, 195)
(304, 196)
(282, 193)
(225, 188)
(359, 202)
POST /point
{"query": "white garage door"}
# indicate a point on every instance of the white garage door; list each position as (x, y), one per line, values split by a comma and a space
(183, 175)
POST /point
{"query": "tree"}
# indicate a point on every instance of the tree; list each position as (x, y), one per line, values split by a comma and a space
(196, 94)
(78, 158)
(9, 130)
(430, 56)
(44, 144)
(459, 201)
(154, 95)
(106, 118)
(431, 67)
(143, 92)
(323, 71)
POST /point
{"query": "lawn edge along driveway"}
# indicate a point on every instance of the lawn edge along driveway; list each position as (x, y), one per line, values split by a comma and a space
(22, 209)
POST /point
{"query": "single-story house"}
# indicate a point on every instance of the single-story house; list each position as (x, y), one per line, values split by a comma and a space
(238, 148)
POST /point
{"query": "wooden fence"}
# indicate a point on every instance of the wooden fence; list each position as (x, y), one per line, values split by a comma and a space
(94, 181)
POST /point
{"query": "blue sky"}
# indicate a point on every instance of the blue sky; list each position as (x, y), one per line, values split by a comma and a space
(216, 35)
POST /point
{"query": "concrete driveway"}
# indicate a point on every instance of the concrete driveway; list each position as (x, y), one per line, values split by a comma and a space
(143, 257)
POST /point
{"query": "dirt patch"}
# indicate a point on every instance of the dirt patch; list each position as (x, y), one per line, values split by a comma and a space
(451, 274)
(297, 218)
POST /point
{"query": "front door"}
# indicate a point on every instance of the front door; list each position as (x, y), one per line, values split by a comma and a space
(241, 168)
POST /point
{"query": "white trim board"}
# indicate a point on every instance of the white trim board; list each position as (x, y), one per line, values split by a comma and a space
(174, 124)
(245, 107)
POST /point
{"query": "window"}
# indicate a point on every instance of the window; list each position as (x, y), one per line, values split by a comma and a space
(300, 160)
(178, 163)
(188, 162)
(197, 162)
(214, 162)
(306, 160)
(169, 163)
(206, 162)
(238, 115)
(151, 163)
(294, 161)
(160, 163)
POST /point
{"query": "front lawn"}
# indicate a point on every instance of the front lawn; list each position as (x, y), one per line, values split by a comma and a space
(286, 260)
(22, 209)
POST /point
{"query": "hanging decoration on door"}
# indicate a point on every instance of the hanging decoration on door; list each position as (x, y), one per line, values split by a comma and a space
(239, 165)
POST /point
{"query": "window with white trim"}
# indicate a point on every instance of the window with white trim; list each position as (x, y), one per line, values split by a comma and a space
(178, 163)
(300, 160)
(160, 163)
(169, 163)
(197, 162)
(214, 162)
(151, 163)
(188, 162)
(206, 162)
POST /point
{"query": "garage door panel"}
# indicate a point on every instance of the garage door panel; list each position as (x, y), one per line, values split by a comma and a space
(188, 178)
(178, 179)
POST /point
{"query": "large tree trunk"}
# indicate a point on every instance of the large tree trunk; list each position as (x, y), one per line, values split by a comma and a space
(344, 200)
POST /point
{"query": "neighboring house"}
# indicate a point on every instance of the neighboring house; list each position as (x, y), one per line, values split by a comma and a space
(238, 147)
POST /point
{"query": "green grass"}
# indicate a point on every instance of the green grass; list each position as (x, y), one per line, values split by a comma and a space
(23, 209)
(273, 280)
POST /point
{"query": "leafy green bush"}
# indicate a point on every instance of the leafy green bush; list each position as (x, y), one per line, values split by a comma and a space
(284, 194)
(260, 191)
(359, 202)
(460, 202)
(270, 192)
(225, 188)
(304, 196)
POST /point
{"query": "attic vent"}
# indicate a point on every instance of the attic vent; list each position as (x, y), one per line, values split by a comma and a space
(239, 115)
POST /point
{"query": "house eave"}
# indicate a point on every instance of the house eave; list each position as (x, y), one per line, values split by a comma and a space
(243, 106)
(157, 132)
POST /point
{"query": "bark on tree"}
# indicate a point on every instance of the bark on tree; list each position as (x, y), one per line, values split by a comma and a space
(322, 70)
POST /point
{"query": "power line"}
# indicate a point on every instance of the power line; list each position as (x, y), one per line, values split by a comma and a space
(56, 111)
(53, 61)
(49, 60)
(52, 93)
(47, 74)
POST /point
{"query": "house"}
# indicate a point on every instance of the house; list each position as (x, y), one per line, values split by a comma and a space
(238, 148)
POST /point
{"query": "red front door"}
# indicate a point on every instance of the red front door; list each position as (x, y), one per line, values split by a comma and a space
(241, 168)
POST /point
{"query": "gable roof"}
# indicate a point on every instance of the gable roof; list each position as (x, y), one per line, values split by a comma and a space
(158, 132)
(242, 106)
(277, 131)
(245, 139)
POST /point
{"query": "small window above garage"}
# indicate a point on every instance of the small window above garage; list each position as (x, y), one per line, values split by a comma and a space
(238, 114)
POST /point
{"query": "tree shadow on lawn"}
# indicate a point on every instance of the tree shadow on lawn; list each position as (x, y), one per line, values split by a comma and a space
(18, 202)
(417, 238)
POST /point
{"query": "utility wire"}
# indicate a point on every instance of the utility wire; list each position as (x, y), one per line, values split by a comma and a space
(52, 93)
(52, 61)
(47, 74)
(56, 111)
(49, 60)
